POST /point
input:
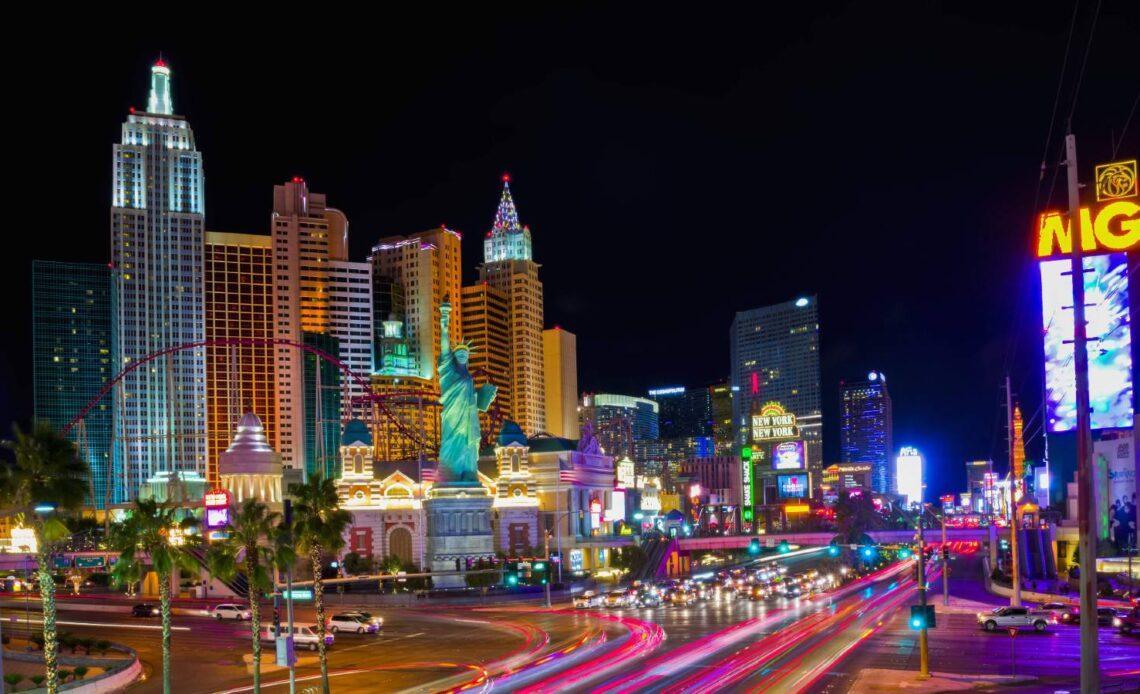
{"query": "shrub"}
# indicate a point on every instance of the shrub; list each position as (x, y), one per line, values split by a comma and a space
(37, 640)
(102, 646)
(88, 643)
(37, 680)
(13, 679)
(64, 674)
(80, 672)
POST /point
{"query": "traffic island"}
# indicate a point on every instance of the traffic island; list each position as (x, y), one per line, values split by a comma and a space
(883, 680)
(111, 671)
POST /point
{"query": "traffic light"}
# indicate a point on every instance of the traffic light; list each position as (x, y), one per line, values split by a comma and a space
(539, 566)
(512, 579)
(867, 553)
(922, 617)
(784, 548)
(904, 553)
(754, 547)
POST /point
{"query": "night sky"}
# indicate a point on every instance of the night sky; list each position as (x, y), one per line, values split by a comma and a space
(673, 168)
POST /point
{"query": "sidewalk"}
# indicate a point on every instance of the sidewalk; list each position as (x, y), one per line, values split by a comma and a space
(880, 680)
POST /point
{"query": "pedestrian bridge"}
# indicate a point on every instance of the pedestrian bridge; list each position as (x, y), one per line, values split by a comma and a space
(885, 537)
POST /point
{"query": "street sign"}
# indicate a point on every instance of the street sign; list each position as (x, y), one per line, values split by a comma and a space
(298, 594)
(1012, 632)
(89, 562)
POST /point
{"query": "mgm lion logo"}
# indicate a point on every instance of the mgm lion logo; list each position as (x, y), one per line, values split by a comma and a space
(1115, 181)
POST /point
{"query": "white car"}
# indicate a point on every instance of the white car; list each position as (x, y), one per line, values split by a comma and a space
(352, 622)
(304, 636)
(1018, 617)
(229, 610)
(588, 599)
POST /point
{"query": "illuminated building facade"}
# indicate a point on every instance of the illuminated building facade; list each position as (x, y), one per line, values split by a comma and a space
(909, 476)
(720, 397)
(239, 305)
(485, 315)
(560, 378)
(508, 266)
(866, 430)
(350, 322)
(683, 412)
(427, 268)
(775, 358)
(385, 499)
(619, 421)
(980, 479)
(320, 404)
(249, 468)
(307, 236)
(71, 360)
(411, 426)
(157, 245)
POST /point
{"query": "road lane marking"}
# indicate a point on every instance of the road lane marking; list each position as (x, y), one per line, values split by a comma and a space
(99, 624)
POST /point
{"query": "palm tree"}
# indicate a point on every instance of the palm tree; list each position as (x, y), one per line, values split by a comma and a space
(318, 527)
(46, 473)
(147, 533)
(250, 544)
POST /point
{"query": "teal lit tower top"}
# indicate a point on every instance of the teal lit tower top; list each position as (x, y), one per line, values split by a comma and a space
(160, 100)
(507, 239)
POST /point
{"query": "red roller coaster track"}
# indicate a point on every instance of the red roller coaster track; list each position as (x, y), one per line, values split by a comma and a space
(364, 383)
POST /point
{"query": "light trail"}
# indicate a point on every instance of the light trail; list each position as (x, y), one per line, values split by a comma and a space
(642, 638)
(101, 625)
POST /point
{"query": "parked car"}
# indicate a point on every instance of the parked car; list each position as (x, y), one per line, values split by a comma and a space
(304, 636)
(1128, 621)
(145, 610)
(351, 622)
(1019, 617)
(230, 610)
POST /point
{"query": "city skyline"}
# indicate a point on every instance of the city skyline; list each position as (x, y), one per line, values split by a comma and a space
(625, 355)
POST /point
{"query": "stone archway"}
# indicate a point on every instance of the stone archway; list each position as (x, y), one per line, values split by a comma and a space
(400, 545)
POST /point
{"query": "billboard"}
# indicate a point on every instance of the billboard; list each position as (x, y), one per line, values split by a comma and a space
(789, 455)
(217, 503)
(908, 475)
(1115, 464)
(774, 422)
(747, 484)
(1109, 346)
(792, 486)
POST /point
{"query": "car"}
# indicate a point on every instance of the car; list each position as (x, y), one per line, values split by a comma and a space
(1128, 621)
(145, 609)
(682, 597)
(368, 616)
(1104, 616)
(1016, 617)
(230, 610)
(649, 599)
(304, 636)
(351, 623)
(615, 599)
(587, 599)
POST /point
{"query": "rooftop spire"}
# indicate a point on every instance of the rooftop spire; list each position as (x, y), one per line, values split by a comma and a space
(507, 217)
(160, 100)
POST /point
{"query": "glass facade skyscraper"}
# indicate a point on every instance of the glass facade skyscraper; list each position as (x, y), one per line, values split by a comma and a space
(322, 406)
(865, 429)
(683, 411)
(157, 248)
(71, 358)
(775, 358)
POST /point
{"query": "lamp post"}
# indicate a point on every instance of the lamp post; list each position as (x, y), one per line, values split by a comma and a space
(923, 645)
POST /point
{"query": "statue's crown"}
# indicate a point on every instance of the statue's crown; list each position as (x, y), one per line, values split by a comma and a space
(467, 345)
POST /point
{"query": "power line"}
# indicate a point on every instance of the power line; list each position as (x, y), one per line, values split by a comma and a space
(1084, 64)
(1127, 122)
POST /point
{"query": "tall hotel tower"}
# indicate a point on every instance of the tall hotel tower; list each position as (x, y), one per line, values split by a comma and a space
(866, 429)
(157, 246)
(509, 267)
(308, 239)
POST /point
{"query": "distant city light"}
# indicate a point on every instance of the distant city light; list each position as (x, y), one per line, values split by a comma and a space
(802, 301)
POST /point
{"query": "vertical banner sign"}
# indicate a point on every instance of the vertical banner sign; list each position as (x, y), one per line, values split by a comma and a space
(747, 484)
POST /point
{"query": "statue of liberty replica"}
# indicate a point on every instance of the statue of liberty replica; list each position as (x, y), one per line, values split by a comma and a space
(462, 402)
(458, 507)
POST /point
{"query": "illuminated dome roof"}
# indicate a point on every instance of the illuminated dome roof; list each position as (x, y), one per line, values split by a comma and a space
(356, 431)
(512, 433)
(249, 453)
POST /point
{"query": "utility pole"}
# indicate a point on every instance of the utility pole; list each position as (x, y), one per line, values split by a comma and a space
(945, 564)
(548, 576)
(923, 645)
(288, 518)
(1015, 571)
(1090, 658)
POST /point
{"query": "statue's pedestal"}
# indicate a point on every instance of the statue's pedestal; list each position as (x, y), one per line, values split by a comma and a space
(458, 530)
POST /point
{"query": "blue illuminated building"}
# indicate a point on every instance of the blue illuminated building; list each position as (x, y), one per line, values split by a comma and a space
(683, 412)
(865, 433)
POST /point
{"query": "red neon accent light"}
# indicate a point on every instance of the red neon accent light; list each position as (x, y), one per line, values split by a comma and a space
(160, 62)
(132, 109)
(755, 383)
(506, 177)
(298, 179)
